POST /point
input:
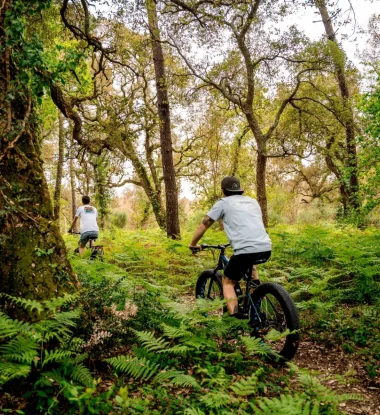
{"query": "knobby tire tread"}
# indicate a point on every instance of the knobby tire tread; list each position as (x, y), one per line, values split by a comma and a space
(291, 315)
(202, 280)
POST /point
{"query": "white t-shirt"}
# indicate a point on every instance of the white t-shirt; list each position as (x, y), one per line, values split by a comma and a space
(87, 215)
(243, 224)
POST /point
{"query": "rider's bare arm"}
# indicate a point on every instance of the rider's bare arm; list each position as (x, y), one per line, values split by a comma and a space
(202, 228)
(73, 224)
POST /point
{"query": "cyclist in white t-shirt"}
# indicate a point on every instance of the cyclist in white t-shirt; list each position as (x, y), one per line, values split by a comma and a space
(88, 225)
(243, 224)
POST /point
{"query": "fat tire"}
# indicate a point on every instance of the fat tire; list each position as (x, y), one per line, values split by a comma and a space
(291, 316)
(202, 280)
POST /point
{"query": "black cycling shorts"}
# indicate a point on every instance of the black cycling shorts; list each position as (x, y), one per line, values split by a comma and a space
(240, 264)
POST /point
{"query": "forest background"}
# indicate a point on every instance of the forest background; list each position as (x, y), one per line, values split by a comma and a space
(136, 103)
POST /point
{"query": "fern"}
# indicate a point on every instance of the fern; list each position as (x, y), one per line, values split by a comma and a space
(177, 378)
(55, 356)
(179, 349)
(218, 399)
(147, 340)
(82, 375)
(285, 405)
(67, 318)
(9, 327)
(20, 349)
(175, 332)
(245, 387)
(275, 335)
(25, 303)
(10, 370)
(256, 346)
(55, 303)
(194, 411)
(137, 368)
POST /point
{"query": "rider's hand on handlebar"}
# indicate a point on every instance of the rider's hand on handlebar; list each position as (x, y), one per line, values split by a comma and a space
(195, 248)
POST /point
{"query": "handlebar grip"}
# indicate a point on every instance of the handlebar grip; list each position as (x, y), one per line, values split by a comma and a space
(195, 250)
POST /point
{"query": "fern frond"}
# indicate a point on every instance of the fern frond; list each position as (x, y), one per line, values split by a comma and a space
(137, 368)
(20, 349)
(198, 342)
(178, 349)
(9, 327)
(257, 346)
(67, 317)
(10, 370)
(194, 411)
(147, 340)
(245, 387)
(82, 375)
(55, 356)
(53, 304)
(219, 327)
(217, 399)
(285, 405)
(275, 335)
(177, 378)
(53, 329)
(25, 303)
(175, 332)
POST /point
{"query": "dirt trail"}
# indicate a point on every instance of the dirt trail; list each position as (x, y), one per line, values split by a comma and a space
(337, 370)
(343, 374)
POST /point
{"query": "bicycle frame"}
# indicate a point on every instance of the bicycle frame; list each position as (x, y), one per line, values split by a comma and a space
(222, 264)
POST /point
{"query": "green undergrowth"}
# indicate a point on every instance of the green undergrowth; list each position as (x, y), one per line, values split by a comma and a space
(134, 341)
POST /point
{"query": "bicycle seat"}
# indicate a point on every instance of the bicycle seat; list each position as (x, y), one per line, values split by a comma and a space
(92, 238)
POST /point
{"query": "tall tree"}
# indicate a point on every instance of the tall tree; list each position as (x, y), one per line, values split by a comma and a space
(172, 218)
(347, 116)
(30, 241)
(234, 30)
(60, 161)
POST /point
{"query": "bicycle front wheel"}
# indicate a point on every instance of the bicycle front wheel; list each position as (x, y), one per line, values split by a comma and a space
(209, 286)
(278, 324)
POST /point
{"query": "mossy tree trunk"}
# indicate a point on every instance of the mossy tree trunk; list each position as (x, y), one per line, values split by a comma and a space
(349, 180)
(58, 182)
(33, 262)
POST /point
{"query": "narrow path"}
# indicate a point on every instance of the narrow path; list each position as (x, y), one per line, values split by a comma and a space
(337, 370)
(343, 374)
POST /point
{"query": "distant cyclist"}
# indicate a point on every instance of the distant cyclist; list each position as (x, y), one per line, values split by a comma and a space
(88, 225)
(243, 224)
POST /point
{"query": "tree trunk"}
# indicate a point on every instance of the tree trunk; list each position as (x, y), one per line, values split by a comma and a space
(30, 242)
(154, 196)
(348, 117)
(261, 167)
(172, 215)
(58, 182)
(261, 164)
(72, 181)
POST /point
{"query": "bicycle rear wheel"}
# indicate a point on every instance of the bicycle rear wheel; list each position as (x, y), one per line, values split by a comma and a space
(279, 325)
(209, 286)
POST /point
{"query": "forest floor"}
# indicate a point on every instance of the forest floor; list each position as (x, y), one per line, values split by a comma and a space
(342, 373)
(337, 370)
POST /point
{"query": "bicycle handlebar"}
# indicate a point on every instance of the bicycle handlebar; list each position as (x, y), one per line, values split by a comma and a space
(221, 247)
(74, 233)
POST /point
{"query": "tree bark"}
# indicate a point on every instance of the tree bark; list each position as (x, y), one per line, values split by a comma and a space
(154, 196)
(261, 163)
(58, 182)
(72, 180)
(172, 212)
(30, 242)
(348, 117)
